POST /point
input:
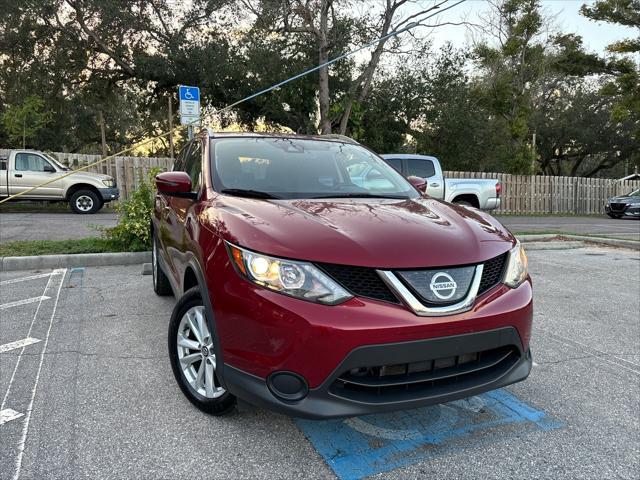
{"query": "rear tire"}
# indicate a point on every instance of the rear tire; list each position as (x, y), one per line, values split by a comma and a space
(85, 201)
(463, 203)
(161, 284)
(193, 356)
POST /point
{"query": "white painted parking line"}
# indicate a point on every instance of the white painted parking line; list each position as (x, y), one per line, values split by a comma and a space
(8, 414)
(35, 315)
(25, 428)
(26, 301)
(30, 277)
(17, 344)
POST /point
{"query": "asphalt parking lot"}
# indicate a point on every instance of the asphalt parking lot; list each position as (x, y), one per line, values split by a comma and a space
(88, 392)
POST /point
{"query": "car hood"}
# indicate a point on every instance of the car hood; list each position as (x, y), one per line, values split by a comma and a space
(374, 233)
(624, 199)
(87, 176)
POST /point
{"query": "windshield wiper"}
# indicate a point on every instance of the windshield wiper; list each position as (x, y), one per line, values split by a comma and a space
(364, 195)
(241, 192)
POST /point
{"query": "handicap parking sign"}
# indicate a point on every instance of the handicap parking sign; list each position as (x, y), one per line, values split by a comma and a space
(189, 93)
(189, 105)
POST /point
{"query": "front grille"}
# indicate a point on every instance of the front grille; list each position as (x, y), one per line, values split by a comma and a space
(492, 273)
(361, 281)
(428, 378)
(617, 206)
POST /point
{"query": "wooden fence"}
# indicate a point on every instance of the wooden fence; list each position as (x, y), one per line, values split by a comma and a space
(521, 194)
(526, 194)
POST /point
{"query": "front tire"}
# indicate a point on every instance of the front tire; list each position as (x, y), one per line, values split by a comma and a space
(192, 353)
(161, 284)
(85, 201)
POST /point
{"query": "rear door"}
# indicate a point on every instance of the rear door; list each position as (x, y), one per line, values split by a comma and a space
(425, 168)
(30, 171)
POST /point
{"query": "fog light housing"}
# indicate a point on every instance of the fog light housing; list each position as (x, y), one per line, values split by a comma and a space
(287, 386)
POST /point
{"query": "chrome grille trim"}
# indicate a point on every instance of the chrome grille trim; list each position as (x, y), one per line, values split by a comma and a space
(418, 308)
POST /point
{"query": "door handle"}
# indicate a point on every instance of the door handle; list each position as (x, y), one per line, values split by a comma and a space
(434, 184)
(19, 175)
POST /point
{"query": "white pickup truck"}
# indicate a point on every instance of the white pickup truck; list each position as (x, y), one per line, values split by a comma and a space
(85, 192)
(474, 192)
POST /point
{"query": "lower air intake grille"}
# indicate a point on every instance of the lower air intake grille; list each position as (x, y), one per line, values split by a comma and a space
(428, 378)
(361, 281)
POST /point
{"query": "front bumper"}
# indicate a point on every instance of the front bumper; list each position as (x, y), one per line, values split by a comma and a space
(627, 210)
(331, 399)
(109, 194)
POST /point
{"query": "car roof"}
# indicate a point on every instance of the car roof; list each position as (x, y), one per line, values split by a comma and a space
(326, 138)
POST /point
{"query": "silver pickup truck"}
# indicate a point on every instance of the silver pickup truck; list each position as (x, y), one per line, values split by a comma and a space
(474, 192)
(85, 192)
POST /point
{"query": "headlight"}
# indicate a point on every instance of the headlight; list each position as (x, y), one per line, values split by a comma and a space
(109, 182)
(634, 204)
(517, 267)
(296, 279)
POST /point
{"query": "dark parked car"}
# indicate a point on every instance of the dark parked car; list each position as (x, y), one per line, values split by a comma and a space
(305, 292)
(624, 206)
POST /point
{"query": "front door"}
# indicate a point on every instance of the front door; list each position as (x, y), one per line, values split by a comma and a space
(30, 170)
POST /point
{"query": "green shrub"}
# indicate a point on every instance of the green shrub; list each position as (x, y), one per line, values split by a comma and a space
(133, 232)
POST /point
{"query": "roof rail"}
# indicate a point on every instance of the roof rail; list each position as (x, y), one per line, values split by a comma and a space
(337, 136)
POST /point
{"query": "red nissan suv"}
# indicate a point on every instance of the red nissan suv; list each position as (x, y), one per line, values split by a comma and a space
(315, 280)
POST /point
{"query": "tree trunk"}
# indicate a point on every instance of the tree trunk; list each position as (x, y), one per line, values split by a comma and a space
(323, 57)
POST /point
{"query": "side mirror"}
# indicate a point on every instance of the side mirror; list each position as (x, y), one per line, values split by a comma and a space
(175, 184)
(419, 183)
(48, 168)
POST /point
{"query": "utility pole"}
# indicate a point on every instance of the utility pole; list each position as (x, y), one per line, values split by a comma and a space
(533, 156)
(170, 127)
(104, 140)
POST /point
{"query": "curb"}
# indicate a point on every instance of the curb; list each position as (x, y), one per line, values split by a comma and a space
(40, 262)
(573, 239)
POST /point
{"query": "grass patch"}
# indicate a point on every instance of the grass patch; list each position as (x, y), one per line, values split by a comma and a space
(28, 248)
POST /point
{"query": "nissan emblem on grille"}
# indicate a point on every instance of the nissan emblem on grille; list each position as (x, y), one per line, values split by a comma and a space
(443, 286)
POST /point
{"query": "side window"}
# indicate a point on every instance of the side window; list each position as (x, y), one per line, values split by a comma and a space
(30, 162)
(396, 163)
(419, 167)
(178, 164)
(193, 163)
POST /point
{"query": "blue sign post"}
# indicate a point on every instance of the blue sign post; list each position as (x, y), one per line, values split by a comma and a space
(189, 107)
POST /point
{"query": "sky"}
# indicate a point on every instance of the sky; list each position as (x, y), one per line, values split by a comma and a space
(566, 18)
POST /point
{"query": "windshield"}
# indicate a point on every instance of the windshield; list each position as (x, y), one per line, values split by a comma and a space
(635, 193)
(56, 162)
(295, 168)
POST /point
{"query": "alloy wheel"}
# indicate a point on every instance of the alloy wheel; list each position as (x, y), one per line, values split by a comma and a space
(84, 203)
(196, 353)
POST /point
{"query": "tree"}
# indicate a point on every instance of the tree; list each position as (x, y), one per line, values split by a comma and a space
(625, 88)
(332, 26)
(24, 121)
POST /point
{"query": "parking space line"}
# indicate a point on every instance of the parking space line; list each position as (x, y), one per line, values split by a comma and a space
(7, 347)
(26, 301)
(600, 355)
(15, 369)
(8, 414)
(30, 277)
(25, 429)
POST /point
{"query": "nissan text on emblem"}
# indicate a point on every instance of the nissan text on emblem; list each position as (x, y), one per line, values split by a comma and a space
(443, 286)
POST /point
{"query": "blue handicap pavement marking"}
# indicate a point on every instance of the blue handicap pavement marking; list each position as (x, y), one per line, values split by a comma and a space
(362, 446)
(189, 93)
